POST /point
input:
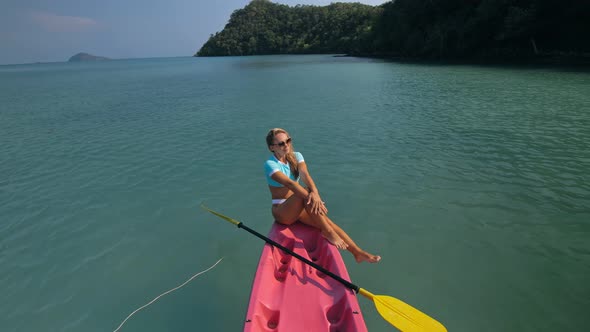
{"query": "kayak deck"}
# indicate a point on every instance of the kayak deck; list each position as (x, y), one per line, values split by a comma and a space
(289, 295)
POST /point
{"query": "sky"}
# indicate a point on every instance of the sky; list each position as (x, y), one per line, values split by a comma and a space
(54, 30)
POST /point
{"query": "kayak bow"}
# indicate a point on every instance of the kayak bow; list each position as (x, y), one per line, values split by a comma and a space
(396, 312)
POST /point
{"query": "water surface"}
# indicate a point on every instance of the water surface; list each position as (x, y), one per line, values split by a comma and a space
(472, 182)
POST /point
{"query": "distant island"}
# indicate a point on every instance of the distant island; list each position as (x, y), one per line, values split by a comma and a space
(83, 57)
(523, 31)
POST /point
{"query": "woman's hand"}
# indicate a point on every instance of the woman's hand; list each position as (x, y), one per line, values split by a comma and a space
(317, 205)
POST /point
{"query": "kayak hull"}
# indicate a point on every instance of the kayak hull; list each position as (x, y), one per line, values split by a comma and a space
(289, 295)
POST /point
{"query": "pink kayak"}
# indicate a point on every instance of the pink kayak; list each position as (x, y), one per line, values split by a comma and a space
(289, 295)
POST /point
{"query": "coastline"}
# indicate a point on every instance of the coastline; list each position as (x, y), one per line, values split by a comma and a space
(550, 59)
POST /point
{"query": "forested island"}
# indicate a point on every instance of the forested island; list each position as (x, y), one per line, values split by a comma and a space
(84, 57)
(545, 30)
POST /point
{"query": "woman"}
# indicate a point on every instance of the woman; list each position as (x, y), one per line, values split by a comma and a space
(292, 202)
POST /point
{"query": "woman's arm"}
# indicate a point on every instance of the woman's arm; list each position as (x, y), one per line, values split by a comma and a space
(304, 173)
(310, 195)
(313, 197)
(295, 187)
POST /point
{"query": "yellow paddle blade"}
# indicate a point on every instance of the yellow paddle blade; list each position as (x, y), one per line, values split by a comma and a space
(232, 220)
(402, 315)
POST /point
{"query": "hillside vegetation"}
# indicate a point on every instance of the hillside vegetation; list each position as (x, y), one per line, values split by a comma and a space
(409, 28)
(263, 27)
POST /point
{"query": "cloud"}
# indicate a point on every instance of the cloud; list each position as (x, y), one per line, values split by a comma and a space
(57, 23)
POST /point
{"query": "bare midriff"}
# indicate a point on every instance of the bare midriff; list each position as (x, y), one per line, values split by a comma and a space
(280, 192)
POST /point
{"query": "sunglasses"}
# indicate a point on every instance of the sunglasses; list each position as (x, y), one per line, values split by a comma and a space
(281, 144)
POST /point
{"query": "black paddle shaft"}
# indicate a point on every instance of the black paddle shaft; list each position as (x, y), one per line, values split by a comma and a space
(348, 284)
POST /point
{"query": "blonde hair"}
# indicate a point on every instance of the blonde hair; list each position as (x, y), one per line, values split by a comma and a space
(270, 137)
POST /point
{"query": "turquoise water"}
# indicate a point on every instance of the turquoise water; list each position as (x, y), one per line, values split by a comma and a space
(472, 182)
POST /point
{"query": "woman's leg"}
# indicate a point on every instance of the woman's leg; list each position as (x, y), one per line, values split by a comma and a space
(323, 223)
(294, 209)
(288, 212)
(359, 254)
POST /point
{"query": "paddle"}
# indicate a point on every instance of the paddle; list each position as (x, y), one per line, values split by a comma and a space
(398, 313)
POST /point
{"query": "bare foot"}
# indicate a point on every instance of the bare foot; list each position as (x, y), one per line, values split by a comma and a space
(364, 256)
(333, 238)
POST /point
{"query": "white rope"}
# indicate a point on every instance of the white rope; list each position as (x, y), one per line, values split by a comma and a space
(172, 290)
